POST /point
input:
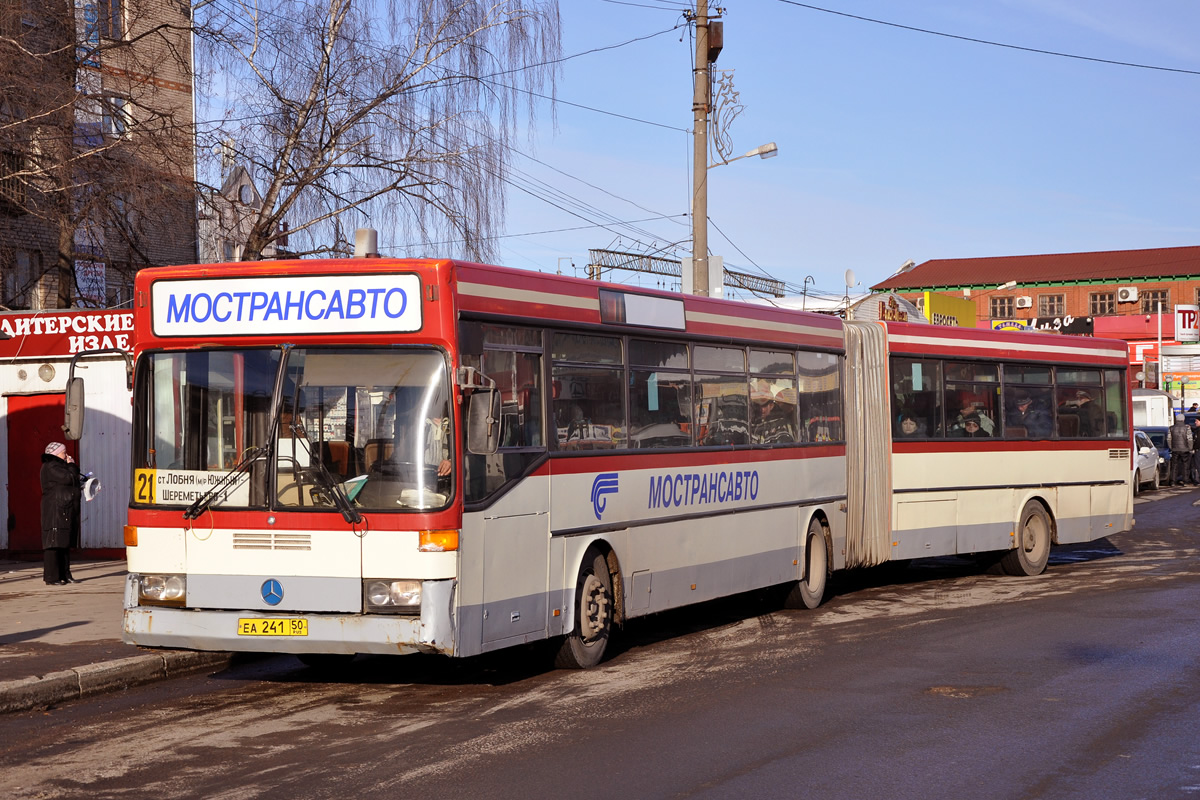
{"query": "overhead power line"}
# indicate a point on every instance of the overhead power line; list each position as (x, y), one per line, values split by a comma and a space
(991, 43)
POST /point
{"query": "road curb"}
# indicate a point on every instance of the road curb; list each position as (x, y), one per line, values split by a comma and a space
(105, 676)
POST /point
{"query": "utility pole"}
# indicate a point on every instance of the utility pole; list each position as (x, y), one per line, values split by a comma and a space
(700, 102)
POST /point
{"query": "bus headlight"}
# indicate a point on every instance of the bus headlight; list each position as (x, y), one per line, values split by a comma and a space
(392, 597)
(162, 590)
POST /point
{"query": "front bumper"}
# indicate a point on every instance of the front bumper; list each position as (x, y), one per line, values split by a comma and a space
(192, 629)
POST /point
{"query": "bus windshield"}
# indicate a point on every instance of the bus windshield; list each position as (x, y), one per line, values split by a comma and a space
(375, 421)
(370, 424)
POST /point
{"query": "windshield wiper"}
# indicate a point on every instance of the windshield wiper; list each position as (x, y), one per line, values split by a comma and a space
(201, 503)
(330, 484)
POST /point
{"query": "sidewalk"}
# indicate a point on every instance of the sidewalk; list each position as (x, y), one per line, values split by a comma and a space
(60, 643)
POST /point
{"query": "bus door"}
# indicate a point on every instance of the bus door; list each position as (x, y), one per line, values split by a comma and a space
(505, 557)
(516, 561)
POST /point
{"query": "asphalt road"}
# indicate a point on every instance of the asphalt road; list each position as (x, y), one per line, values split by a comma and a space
(934, 682)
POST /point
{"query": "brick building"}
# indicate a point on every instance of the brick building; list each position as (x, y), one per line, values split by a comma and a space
(1115, 294)
(96, 148)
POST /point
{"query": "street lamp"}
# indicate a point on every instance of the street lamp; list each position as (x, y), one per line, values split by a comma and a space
(768, 150)
(700, 265)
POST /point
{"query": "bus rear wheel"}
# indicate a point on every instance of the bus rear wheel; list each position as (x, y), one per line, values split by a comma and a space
(1032, 552)
(584, 646)
(809, 591)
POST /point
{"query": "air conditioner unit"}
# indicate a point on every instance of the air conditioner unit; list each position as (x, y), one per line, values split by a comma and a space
(1127, 294)
(1025, 302)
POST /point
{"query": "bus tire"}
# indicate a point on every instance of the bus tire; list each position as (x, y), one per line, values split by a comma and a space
(1032, 552)
(584, 646)
(809, 591)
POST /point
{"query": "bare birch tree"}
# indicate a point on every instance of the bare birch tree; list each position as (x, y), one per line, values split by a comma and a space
(391, 113)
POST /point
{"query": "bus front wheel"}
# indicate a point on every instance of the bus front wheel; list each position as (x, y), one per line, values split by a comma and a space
(809, 591)
(1032, 552)
(584, 646)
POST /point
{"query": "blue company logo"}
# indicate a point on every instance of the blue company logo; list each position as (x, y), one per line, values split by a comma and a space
(605, 483)
(272, 592)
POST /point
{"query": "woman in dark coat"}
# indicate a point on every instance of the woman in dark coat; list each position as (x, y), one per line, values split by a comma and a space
(60, 512)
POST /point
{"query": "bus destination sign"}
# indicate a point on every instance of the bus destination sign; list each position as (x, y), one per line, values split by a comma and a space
(327, 304)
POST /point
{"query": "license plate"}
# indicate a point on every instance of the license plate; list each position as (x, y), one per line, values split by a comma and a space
(272, 627)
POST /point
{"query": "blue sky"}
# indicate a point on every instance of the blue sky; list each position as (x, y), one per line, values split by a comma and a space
(894, 144)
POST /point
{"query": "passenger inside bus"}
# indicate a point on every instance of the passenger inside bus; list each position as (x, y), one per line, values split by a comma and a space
(774, 418)
(972, 427)
(910, 427)
(1079, 415)
(1025, 414)
(971, 403)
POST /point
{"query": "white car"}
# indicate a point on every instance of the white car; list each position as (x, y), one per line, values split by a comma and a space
(1145, 462)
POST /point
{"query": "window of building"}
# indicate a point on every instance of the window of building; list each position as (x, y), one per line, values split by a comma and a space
(1101, 303)
(1152, 299)
(1002, 307)
(111, 18)
(1051, 305)
(118, 116)
(9, 18)
(12, 187)
(19, 281)
(119, 286)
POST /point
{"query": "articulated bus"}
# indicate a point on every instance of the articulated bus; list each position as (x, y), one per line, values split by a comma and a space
(394, 456)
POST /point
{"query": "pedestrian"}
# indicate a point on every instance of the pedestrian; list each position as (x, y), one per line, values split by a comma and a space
(1179, 436)
(60, 513)
(1196, 451)
(1195, 407)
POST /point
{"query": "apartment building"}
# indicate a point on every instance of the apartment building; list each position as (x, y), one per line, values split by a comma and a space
(96, 148)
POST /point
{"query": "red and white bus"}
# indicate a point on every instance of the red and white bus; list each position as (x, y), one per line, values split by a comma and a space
(393, 456)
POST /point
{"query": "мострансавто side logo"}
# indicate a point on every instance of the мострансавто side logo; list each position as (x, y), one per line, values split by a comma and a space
(605, 483)
(677, 490)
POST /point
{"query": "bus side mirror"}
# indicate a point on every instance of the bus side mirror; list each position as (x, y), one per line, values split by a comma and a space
(73, 418)
(483, 422)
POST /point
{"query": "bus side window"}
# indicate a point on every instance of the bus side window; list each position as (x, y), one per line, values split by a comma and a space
(819, 397)
(917, 391)
(589, 392)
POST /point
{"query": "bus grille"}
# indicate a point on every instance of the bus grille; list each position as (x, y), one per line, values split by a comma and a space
(272, 541)
(1117, 453)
